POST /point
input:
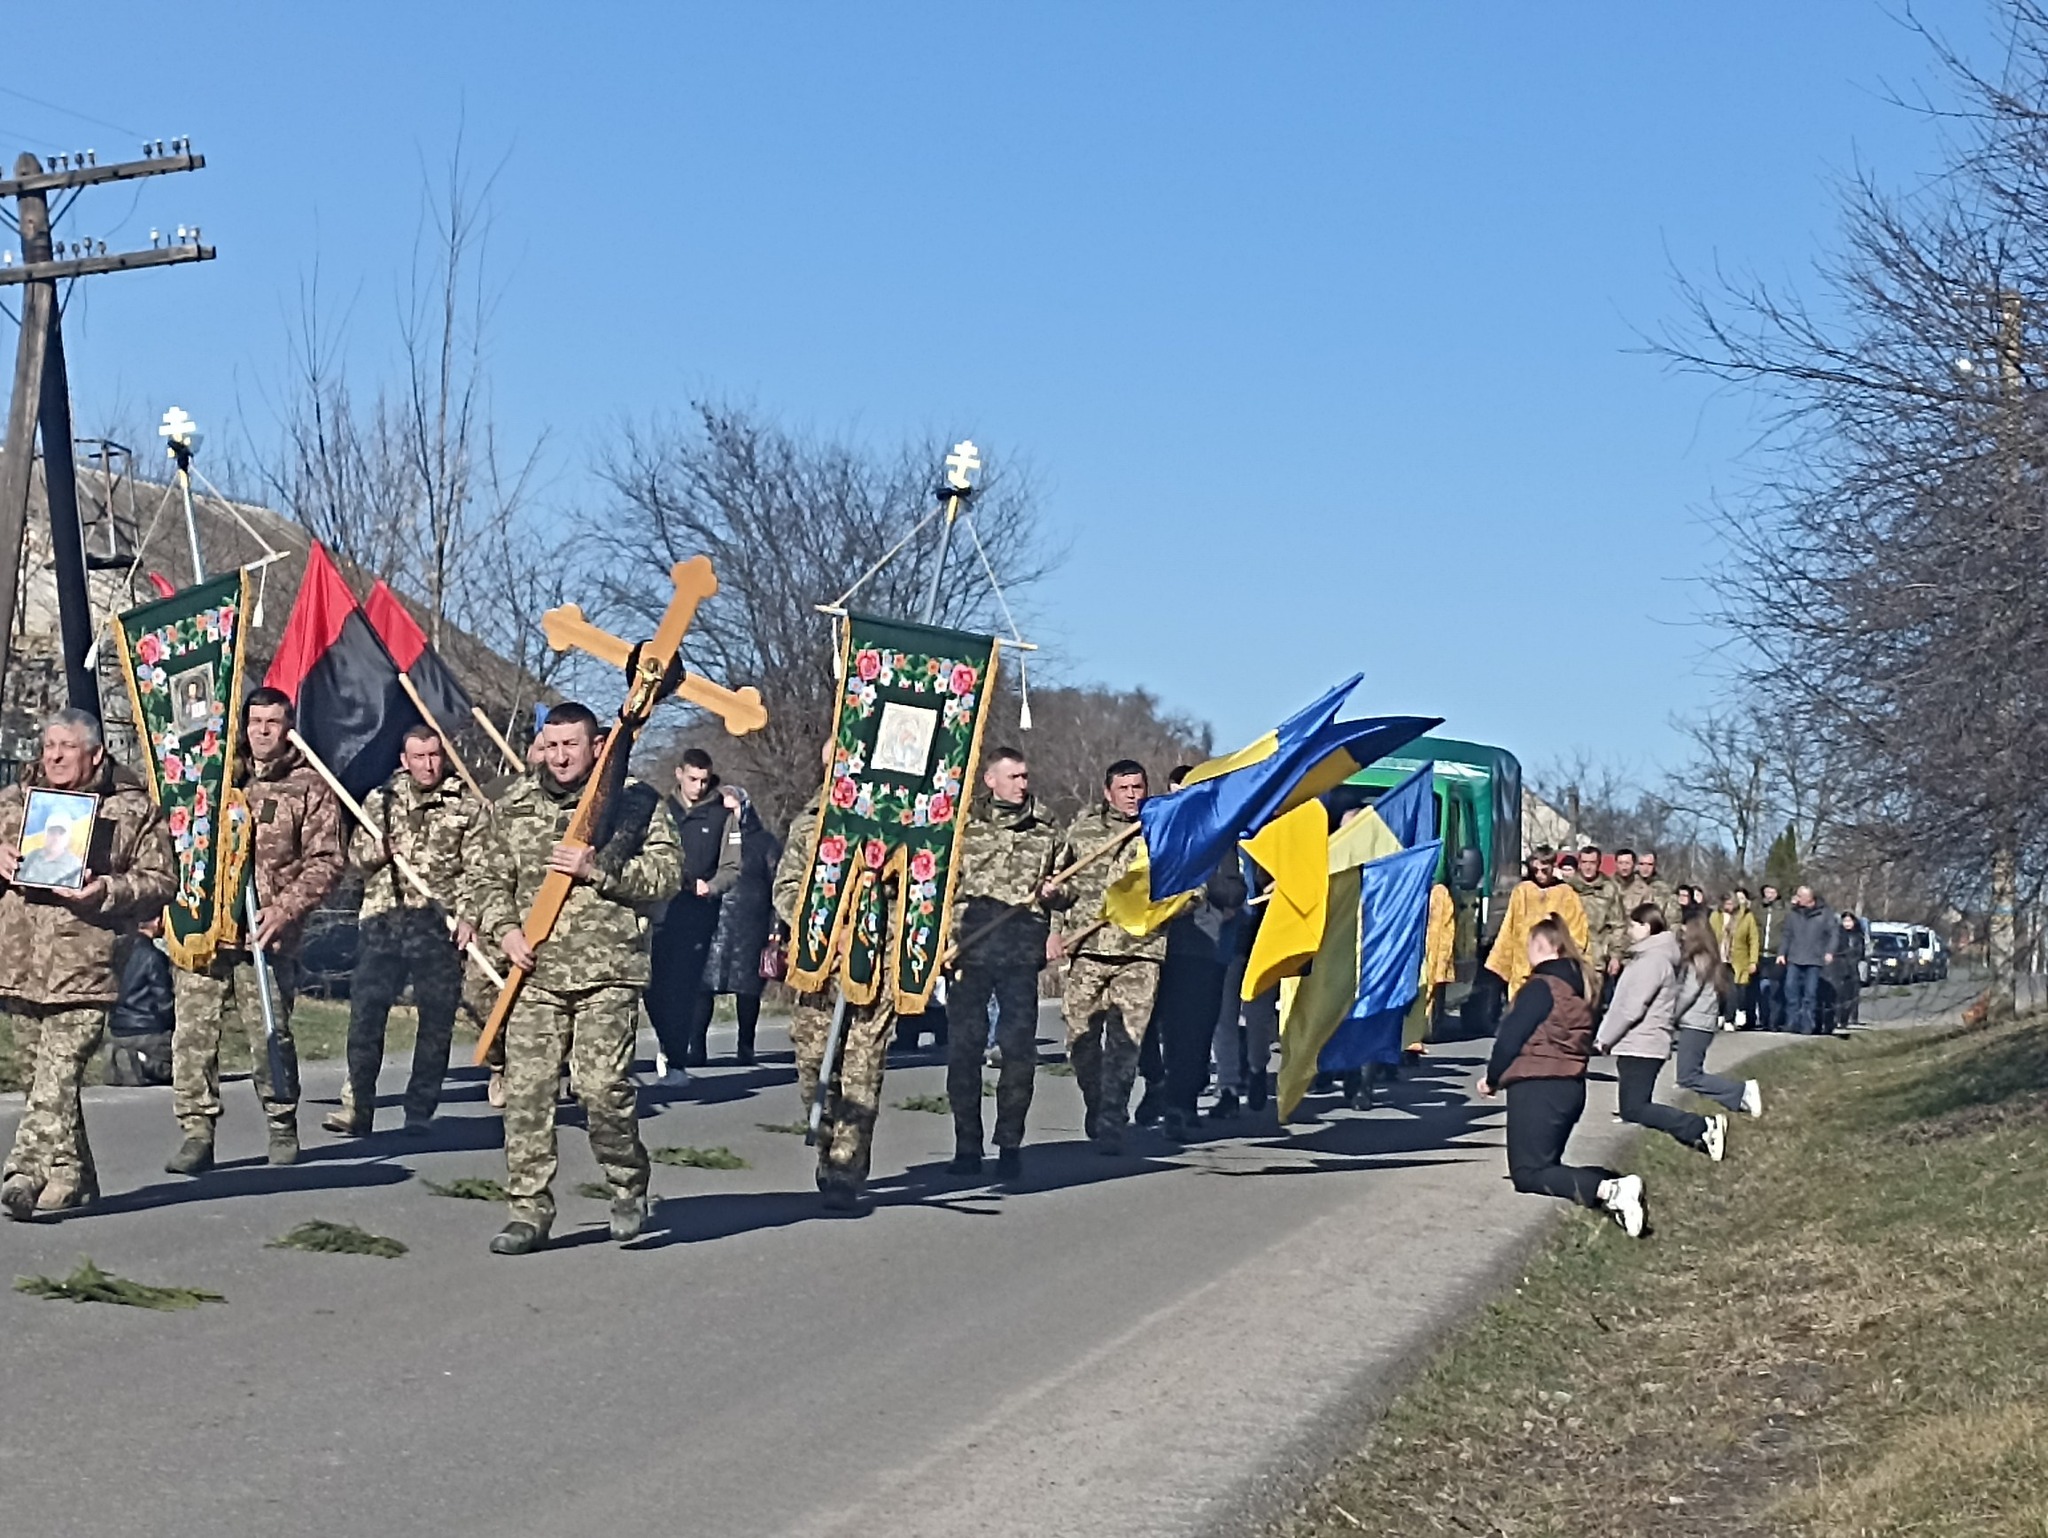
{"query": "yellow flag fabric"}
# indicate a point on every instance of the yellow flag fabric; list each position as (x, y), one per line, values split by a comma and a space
(1251, 753)
(1361, 841)
(1293, 849)
(1128, 902)
(1311, 1006)
(1509, 958)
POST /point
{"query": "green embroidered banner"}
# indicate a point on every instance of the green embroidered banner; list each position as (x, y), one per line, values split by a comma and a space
(183, 660)
(905, 745)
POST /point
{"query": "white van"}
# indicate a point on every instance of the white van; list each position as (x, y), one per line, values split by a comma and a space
(1930, 953)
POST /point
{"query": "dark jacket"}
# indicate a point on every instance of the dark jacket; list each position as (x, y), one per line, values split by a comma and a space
(1811, 935)
(745, 914)
(1205, 931)
(1547, 1032)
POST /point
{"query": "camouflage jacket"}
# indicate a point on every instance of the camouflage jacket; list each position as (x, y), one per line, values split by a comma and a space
(300, 849)
(1606, 930)
(601, 938)
(55, 954)
(1005, 855)
(796, 860)
(1636, 891)
(1087, 833)
(429, 829)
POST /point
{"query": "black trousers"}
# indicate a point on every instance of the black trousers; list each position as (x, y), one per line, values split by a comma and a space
(1184, 1019)
(1638, 1077)
(1541, 1115)
(748, 1008)
(682, 944)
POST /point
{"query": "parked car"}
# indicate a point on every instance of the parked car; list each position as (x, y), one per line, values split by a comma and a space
(1891, 958)
(1930, 955)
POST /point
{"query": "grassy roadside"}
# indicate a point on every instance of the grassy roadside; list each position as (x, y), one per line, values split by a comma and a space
(1840, 1333)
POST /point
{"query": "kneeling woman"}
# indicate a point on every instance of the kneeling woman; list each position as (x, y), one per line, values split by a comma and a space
(1638, 1029)
(1539, 1059)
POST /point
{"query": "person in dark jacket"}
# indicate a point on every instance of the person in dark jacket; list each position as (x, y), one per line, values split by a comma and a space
(1539, 1059)
(1198, 947)
(710, 839)
(139, 1028)
(1842, 982)
(746, 920)
(1807, 950)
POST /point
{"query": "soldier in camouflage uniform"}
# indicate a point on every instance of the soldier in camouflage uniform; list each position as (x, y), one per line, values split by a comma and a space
(425, 816)
(299, 855)
(1006, 858)
(1600, 896)
(846, 1135)
(1113, 977)
(582, 995)
(1661, 892)
(60, 957)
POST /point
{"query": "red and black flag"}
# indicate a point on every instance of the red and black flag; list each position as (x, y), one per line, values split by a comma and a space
(439, 689)
(352, 709)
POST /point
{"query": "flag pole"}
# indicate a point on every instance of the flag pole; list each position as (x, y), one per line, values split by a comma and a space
(181, 434)
(404, 866)
(491, 731)
(1058, 878)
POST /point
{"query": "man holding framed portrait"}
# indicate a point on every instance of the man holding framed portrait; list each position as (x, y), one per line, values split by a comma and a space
(84, 859)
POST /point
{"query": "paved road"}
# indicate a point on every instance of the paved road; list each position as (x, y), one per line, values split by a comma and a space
(1150, 1345)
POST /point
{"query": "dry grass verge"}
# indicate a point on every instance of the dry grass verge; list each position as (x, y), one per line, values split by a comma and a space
(1840, 1333)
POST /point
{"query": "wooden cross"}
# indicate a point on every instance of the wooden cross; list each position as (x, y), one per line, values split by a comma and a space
(650, 667)
(567, 629)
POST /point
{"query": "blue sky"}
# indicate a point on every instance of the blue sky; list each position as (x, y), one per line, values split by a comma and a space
(1317, 323)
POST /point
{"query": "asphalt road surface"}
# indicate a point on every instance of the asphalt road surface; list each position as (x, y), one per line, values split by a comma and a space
(1165, 1343)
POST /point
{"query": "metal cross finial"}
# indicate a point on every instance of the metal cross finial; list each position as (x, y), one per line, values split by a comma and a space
(961, 465)
(179, 432)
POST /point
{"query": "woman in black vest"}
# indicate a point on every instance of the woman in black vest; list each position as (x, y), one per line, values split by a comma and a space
(1539, 1058)
(746, 920)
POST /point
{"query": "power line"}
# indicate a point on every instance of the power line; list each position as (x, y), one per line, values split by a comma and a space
(83, 117)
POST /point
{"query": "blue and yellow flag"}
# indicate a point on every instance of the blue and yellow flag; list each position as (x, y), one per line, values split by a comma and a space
(1294, 850)
(1347, 1012)
(1188, 833)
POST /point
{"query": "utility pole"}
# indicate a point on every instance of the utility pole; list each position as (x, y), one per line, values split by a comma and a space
(42, 387)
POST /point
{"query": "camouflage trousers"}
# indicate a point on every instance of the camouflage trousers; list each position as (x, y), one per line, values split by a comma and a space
(846, 1137)
(204, 1001)
(593, 1031)
(1015, 991)
(55, 1045)
(1107, 1004)
(397, 948)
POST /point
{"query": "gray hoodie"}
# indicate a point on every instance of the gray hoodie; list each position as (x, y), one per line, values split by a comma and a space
(1640, 1019)
(1699, 1002)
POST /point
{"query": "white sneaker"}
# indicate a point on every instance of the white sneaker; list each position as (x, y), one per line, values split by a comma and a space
(1623, 1198)
(1716, 1140)
(660, 1065)
(1753, 1098)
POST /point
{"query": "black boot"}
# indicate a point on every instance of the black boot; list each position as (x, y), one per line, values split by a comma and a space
(1151, 1104)
(966, 1160)
(1009, 1164)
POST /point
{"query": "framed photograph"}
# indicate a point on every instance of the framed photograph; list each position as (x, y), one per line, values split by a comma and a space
(56, 839)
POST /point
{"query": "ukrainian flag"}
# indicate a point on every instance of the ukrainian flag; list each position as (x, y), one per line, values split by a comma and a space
(1302, 857)
(1348, 1011)
(1188, 832)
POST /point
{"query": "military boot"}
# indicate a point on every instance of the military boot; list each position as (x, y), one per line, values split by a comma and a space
(65, 1190)
(18, 1197)
(346, 1123)
(284, 1142)
(840, 1192)
(629, 1217)
(966, 1160)
(194, 1155)
(518, 1238)
(1009, 1164)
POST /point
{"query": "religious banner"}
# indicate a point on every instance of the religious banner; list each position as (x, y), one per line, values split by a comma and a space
(183, 659)
(905, 746)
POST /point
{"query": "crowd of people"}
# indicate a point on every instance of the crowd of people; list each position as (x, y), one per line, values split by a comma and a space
(688, 897)
(1601, 957)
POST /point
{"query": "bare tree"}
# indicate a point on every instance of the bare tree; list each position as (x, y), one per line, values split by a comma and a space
(1888, 572)
(791, 522)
